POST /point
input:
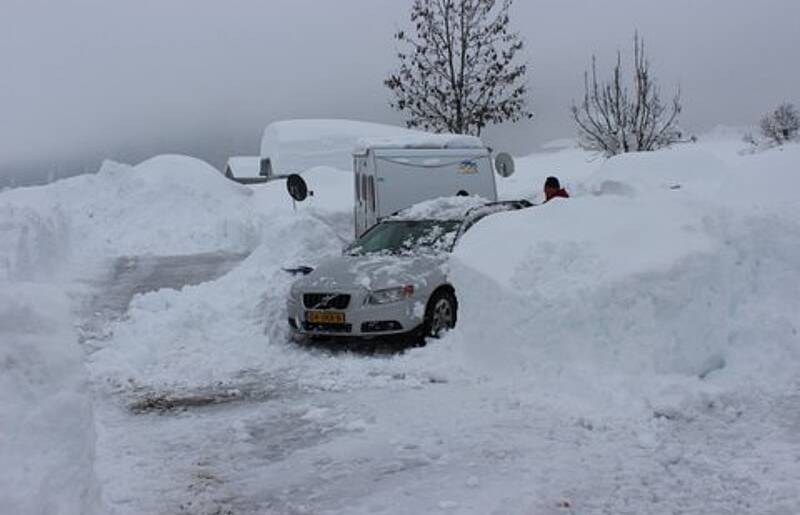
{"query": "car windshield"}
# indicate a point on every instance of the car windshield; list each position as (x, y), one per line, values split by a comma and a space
(406, 237)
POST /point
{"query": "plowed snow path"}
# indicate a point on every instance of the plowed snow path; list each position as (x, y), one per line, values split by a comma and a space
(125, 277)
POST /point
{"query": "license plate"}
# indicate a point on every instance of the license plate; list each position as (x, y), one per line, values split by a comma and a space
(325, 317)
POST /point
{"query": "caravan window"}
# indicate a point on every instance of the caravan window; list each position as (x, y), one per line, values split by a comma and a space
(371, 183)
(363, 187)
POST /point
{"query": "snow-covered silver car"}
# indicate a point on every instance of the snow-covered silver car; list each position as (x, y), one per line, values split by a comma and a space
(394, 279)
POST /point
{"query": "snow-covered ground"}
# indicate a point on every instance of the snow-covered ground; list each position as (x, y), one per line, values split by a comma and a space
(46, 425)
(633, 349)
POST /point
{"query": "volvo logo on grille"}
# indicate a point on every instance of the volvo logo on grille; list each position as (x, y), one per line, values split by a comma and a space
(326, 300)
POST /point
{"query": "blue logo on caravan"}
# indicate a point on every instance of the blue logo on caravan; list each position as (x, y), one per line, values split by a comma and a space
(468, 167)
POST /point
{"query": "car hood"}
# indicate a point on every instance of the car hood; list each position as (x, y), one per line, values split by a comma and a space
(375, 272)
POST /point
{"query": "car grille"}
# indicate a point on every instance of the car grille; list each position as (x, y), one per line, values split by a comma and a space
(326, 300)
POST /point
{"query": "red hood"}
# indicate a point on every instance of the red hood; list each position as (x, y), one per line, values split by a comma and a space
(560, 193)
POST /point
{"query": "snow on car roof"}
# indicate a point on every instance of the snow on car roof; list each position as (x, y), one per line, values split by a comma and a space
(443, 208)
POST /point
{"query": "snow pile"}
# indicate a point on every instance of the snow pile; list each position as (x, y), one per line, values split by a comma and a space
(656, 275)
(166, 205)
(209, 333)
(692, 169)
(46, 434)
(765, 183)
(567, 246)
(34, 244)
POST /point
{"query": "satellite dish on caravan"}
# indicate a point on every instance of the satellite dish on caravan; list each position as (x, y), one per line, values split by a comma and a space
(504, 164)
(296, 187)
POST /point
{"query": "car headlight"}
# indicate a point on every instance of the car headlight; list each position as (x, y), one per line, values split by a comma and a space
(389, 295)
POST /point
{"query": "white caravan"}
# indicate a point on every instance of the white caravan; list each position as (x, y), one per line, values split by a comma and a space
(391, 175)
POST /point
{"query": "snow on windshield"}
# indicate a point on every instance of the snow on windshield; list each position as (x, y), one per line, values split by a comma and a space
(443, 208)
(402, 237)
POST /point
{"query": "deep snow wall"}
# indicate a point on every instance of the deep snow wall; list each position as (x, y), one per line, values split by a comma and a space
(46, 424)
(674, 267)
(33, 244)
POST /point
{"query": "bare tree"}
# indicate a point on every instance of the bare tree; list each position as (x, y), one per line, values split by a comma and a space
(460, 70)
(614, 118)
(782, 125)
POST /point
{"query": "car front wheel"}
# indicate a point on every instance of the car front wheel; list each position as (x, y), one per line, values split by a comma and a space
(441, 313)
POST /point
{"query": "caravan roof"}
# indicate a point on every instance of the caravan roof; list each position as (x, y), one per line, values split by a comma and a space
(419, 140)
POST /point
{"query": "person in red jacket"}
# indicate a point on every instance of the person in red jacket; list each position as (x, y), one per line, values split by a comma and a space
(553, 189)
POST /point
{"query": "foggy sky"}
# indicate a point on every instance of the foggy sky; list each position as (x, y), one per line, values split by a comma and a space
(83, 80)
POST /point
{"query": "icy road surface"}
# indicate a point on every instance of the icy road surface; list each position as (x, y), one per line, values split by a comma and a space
(262, 443)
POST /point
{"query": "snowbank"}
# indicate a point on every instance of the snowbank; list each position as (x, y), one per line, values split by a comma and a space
(691, 169)
(211, 332)
(34, 243)
(47, 429)
(565, 246)
(656, 275)
(166, 205)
